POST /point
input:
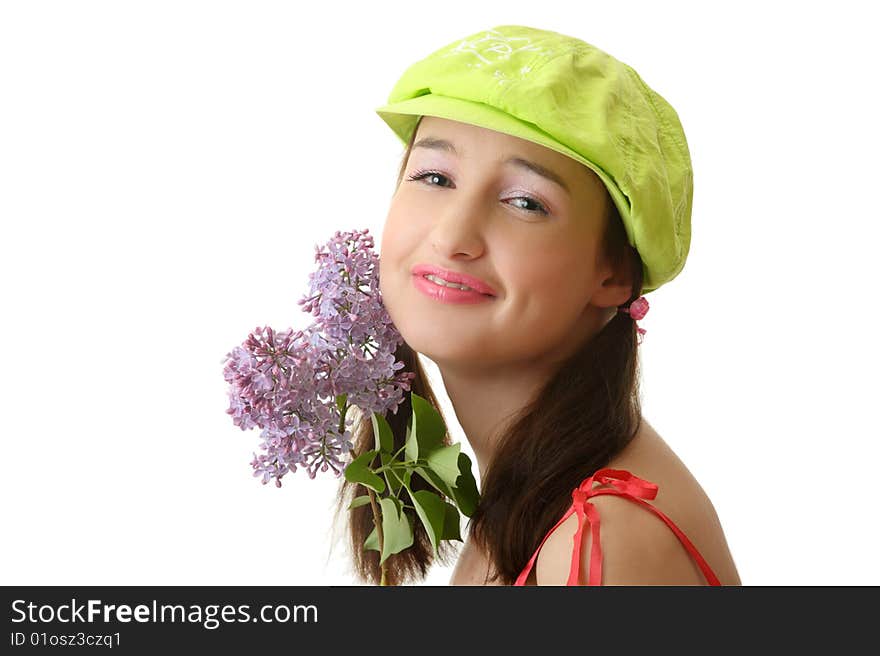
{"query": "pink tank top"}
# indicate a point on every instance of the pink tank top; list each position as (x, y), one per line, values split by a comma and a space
(623, 484)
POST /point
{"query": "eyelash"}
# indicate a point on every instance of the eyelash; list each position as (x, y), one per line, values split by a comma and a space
(419, 175)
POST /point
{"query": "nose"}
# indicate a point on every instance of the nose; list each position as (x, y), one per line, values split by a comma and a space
(459, 226)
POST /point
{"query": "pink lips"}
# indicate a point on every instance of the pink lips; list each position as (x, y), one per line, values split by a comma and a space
(480, 293)
(452, 276)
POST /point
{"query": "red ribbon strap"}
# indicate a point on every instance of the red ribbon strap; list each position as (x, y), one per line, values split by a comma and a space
(623, 484)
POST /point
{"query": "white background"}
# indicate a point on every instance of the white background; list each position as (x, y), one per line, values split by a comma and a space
(166, 169)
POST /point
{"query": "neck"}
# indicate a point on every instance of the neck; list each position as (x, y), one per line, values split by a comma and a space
(485, 402)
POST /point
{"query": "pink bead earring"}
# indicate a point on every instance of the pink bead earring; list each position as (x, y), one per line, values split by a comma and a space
(637, 310)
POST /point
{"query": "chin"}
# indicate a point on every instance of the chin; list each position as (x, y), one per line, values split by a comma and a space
(435, 343)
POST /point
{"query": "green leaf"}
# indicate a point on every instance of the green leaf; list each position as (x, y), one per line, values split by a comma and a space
(444, 463)
(358, 471)
(397, 533)
(412, 446)
(394, 482)
(382, 433)
(340, 402)
(397, 480)
(465, 491)
(428, 426)
(430, 509)
(357, 502)
(452, 523)
(434, 480)
(372, 541)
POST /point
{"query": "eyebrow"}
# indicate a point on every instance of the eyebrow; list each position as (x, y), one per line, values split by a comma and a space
(534, 167)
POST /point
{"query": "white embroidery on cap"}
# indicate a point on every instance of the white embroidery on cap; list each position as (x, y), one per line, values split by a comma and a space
(499, 48)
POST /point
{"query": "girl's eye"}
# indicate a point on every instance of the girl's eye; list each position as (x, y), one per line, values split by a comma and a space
(541, 209)
(420, 175)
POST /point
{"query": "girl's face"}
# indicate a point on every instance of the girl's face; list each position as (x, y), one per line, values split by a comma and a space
(480, 210)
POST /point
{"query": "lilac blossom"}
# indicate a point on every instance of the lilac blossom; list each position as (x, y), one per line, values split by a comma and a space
(286, 383)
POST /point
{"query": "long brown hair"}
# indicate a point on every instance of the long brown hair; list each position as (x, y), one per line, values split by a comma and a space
(587, 412)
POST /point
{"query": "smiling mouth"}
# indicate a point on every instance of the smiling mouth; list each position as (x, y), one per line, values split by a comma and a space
(452, 285)
(437, 280)
(446, 294)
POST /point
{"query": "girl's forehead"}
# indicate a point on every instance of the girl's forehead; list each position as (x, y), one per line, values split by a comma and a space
(467, 132)
(464, 140)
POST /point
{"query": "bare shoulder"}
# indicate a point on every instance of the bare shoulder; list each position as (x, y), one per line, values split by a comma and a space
(638, 547)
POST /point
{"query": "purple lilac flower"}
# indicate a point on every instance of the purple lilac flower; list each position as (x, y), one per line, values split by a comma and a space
(286, 383)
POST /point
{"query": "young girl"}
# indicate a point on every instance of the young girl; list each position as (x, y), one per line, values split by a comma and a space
(544, 189)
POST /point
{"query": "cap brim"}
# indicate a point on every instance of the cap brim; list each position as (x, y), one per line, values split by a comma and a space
(403, 116)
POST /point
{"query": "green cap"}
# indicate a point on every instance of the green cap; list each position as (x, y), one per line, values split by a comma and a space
(570, 96)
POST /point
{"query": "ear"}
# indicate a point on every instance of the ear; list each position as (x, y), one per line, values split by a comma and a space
(615, 287)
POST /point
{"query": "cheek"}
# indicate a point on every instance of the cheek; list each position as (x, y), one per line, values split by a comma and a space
(398, 233)
(549, 268)
(555, 280)
(389, 288)
(397, 244)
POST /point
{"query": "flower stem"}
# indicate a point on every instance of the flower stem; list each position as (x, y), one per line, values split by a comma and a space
(378, 522)
(396, 465)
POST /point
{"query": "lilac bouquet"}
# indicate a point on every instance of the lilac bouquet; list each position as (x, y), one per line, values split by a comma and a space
(297, 388)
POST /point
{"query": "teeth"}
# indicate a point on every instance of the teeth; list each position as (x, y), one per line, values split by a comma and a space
(440, 281)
